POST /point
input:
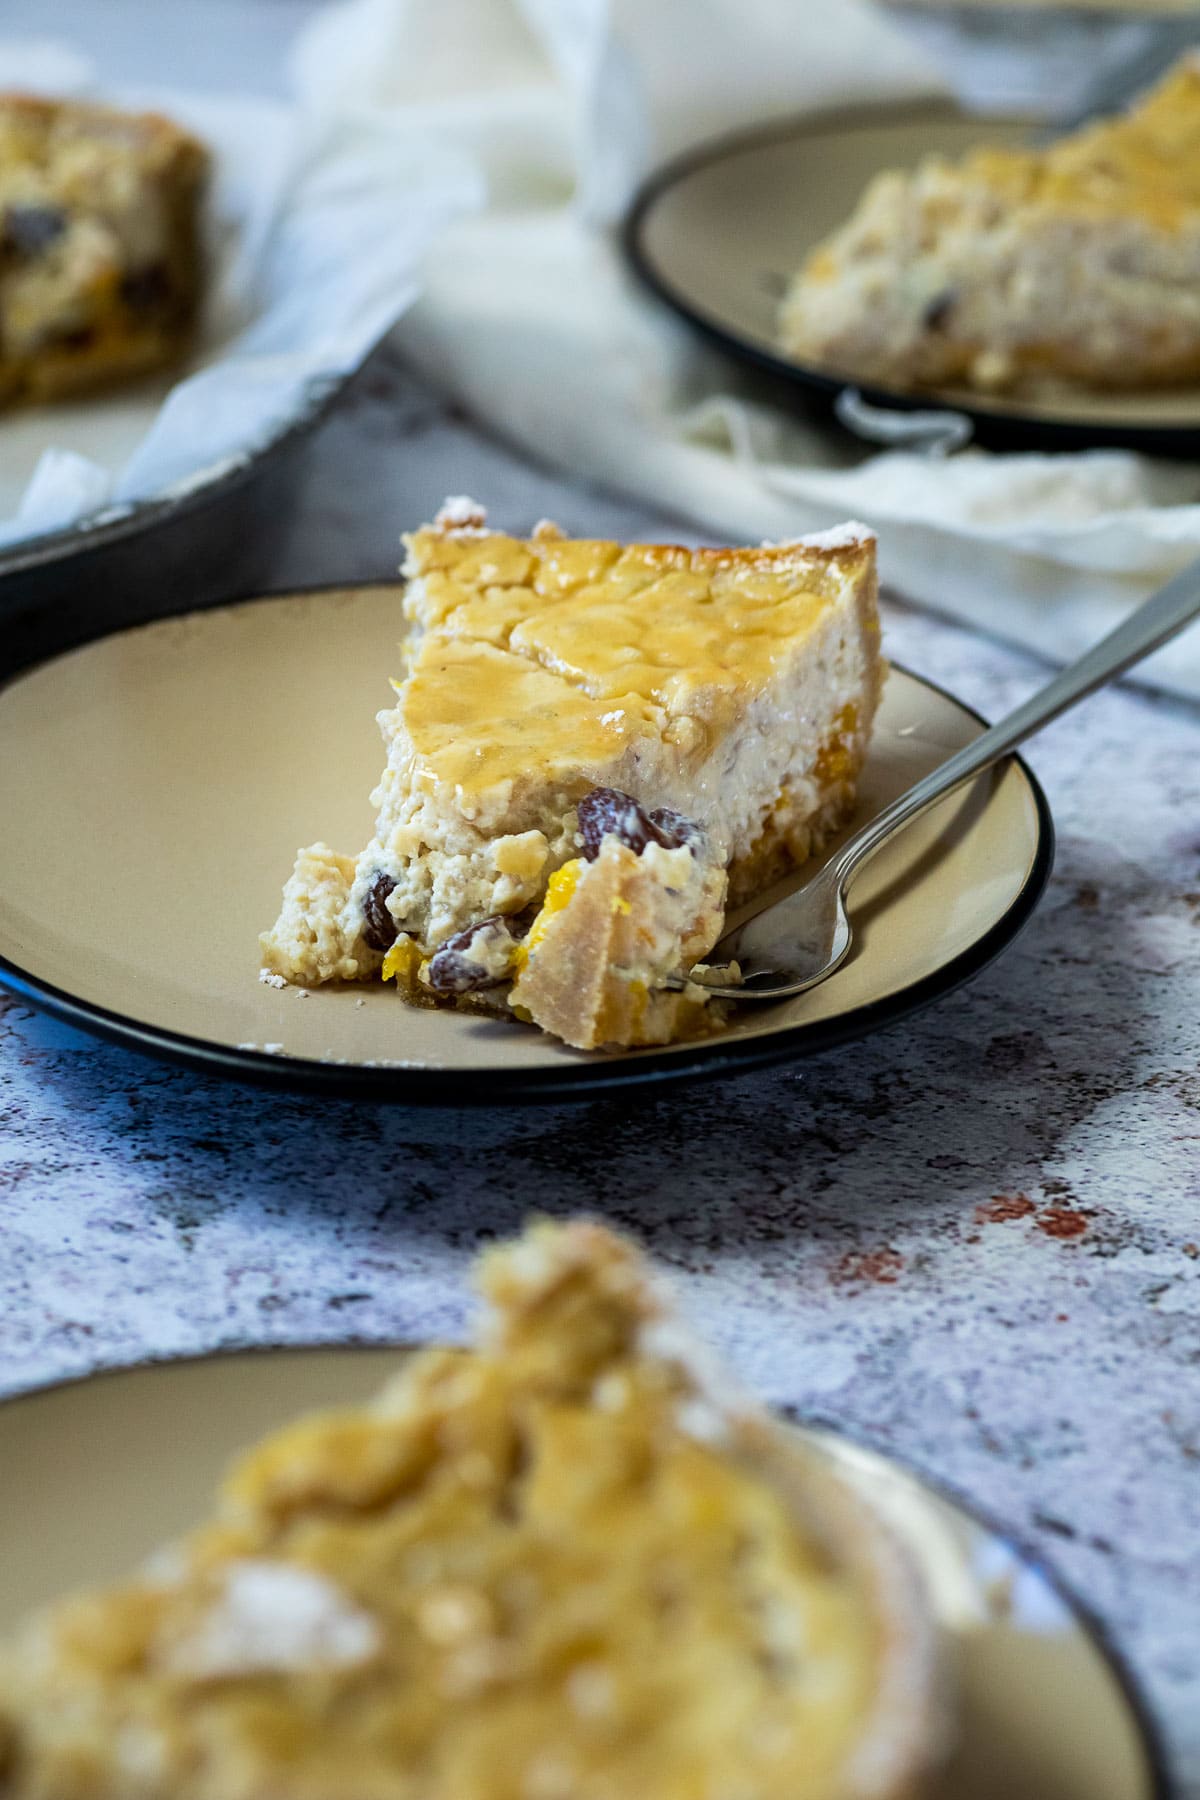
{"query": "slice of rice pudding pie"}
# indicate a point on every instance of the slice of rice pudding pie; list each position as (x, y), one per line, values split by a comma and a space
(565, 1564)
(596, 748)
(1015, 269)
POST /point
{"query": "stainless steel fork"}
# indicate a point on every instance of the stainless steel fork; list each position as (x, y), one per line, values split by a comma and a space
(799, 941)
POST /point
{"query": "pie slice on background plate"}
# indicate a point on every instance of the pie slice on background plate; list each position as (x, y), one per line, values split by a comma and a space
(567, 1564)
(1077, 264)
(594, 750)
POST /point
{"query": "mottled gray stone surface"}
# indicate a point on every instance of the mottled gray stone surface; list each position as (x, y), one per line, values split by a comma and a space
(973, 1241)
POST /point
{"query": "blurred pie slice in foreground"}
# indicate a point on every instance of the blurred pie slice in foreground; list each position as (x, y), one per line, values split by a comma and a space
(566, 1564)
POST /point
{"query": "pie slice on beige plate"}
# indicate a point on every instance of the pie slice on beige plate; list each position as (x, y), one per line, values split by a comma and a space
(562, 1565)
(595, 749)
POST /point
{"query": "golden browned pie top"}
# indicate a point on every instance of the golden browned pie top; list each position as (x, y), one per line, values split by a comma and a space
(1145, 164)
(86, 155)
(539, 1570)
(556, 652)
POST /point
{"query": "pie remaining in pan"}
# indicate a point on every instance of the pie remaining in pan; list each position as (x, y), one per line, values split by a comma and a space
(100, 263)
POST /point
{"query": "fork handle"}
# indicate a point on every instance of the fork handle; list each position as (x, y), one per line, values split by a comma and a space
(1154, 622)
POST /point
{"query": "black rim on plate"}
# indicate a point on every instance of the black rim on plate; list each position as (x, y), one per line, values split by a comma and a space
(1126, 1682)
(1089, 1621)
(594, 1074)
(819, 386)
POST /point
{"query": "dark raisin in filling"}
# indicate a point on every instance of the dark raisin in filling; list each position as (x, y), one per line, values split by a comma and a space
(937, 314)
(674, 831)
(450, 972)
(379, 927)
(606, 812)
(28, 230)
(147, 290)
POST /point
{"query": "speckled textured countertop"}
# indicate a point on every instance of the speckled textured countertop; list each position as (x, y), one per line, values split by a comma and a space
(973, 1241)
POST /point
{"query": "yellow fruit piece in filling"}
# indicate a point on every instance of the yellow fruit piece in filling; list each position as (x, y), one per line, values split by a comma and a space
(402, 960)
(559, 891)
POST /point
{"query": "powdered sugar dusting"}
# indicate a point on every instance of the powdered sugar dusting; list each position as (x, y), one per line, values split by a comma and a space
(274, 1617)
(458, 512)
(839, 537)
(700, 1419)
(707, 1400)
(850, 536)
(716, 1399)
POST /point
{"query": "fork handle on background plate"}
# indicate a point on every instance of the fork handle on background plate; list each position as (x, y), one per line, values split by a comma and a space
(1114, 87)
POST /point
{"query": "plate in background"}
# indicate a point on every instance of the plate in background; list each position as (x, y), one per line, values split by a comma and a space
(155, 785)
(1046, 56)
(1046, 1711)
(719, 231)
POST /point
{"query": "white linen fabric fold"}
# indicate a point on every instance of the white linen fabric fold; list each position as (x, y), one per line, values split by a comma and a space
(528, 316)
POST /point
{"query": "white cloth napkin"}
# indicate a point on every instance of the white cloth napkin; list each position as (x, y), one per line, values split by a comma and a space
(316, 227)
(529, 317)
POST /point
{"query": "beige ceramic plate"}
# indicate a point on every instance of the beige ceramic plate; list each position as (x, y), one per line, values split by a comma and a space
(154, 787)
(1045, 1712)
(718, 233)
